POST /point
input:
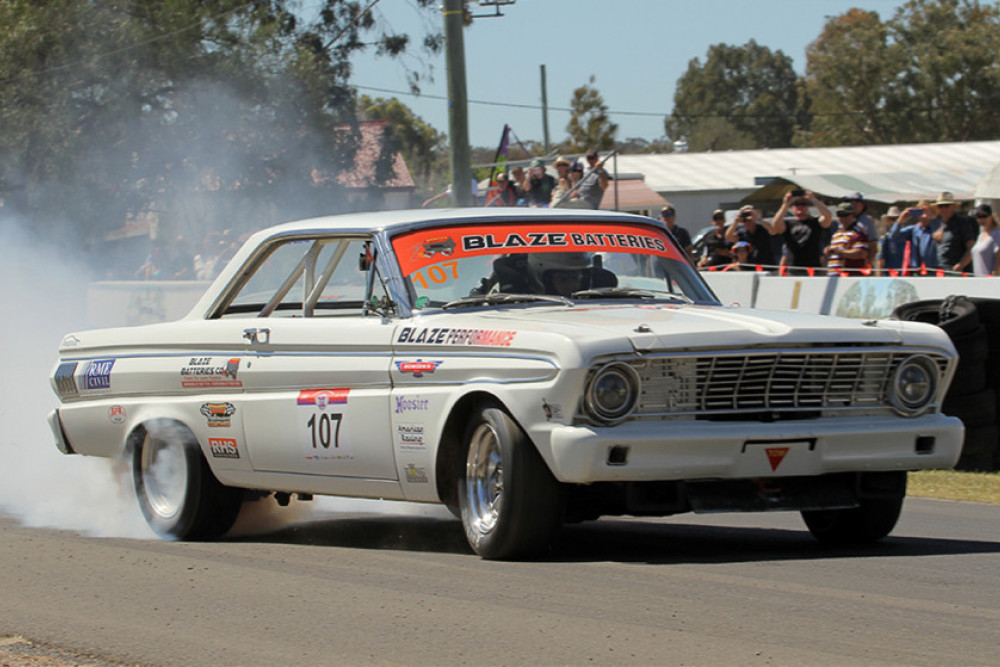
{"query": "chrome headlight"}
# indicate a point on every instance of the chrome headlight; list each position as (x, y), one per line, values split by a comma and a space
(612, 392)
(914, 384)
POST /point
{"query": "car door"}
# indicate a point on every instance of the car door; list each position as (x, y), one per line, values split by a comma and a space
(316, 378)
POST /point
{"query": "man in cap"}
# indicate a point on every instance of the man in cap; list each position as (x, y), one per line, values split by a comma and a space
(716, 249)
(668, 216)
(848, 248)
(857, 201)
(538, 185)
(748, 226)
(890, 253)
(955, 237)
(595, 182)
(803, 234)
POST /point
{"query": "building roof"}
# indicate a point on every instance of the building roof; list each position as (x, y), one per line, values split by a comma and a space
(632, 194)
(363, 174)
(882, 173)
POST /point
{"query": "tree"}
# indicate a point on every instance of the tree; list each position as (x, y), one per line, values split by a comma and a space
(223, 109)
(421, 145)
(931, 73)
(589, 125)
(742, 97)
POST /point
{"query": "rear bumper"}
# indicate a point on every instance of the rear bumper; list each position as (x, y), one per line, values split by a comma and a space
(57, 430)
(704, 450)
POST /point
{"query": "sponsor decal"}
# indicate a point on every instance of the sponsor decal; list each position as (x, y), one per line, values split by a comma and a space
(224, 448)
(411, 404)
(421, 248)
(96, 375)
(411, 436)
(321, 398)
(116, 414)
(447, 336)
(65, 382)
(418, 367)
(202, 372)
(775, 455)
(551, 411)
(415, 475)
(218, 414)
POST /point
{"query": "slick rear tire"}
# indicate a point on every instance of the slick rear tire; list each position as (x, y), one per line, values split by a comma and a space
(872, 520)
(177, 492)
(511, 505)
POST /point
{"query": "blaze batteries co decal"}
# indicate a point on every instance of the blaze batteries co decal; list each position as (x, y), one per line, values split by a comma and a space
(561, 240)
(446, 336)
(202, 372)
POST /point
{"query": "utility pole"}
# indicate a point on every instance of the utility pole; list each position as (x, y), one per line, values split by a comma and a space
(545, 112)
(458, 102)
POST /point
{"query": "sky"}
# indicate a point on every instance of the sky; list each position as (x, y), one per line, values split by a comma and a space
(636, 49)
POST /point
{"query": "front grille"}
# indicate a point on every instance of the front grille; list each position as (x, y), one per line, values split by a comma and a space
(769, 382)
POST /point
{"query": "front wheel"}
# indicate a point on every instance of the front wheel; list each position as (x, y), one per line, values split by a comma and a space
(177, 492)
(869, 522)
(511, 505)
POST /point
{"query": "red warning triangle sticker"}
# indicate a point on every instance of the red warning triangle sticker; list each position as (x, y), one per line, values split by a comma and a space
(775, 455)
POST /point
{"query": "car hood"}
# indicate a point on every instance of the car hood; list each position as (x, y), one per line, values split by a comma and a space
(652, 327)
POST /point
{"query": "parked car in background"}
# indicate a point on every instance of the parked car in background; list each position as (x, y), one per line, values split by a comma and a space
(522, 367)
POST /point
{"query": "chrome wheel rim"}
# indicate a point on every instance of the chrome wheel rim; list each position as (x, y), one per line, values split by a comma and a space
(164, 476)
(484, 479)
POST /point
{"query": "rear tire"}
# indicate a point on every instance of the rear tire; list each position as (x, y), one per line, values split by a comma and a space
(872, 520)
(177, 492)
(511, 504)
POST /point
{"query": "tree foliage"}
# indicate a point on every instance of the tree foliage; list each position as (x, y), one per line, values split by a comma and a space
(421, 146)
(112, 106)
(930, 73)
(741, 97)
(589, 124)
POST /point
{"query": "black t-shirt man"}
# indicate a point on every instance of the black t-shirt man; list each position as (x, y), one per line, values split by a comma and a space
(803, 241)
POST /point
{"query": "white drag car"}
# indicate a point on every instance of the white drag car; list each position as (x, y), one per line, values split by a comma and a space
(522, 367)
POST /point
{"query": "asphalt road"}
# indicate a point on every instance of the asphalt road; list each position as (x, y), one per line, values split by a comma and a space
(385, 589)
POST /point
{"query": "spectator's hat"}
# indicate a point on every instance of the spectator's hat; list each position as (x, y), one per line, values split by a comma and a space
(845, 207)
(747, 207)
(983, 211)
(892, 213)
(718, 214)
(667, 210)
(561, 162)
(591, 153)
(854, 196)
(576, 167)
(536, 163)
(945, 199)
(501, 176)
(741, 244)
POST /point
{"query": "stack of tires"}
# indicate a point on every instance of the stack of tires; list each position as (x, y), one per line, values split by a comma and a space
(974, 327)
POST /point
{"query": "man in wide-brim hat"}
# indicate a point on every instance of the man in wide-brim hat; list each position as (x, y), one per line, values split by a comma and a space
(955, 237)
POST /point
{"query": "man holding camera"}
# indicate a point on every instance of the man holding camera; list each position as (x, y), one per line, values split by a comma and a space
(803, 234)
(538, 185)
(748, 226)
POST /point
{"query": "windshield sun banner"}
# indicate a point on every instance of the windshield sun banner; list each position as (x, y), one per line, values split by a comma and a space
(421, 248)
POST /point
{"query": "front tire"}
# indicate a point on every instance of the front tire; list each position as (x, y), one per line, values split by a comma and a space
(177, 492)
(511, 505)
(869, 522)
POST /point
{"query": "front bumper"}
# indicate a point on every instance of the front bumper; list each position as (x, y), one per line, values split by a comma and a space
(705, 450)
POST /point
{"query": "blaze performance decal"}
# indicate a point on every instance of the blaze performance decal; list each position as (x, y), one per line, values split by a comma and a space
(473, 240)
(446, 336)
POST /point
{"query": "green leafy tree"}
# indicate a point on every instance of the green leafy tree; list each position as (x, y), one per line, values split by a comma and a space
(421, 145)
(930, 73)
(589, 124)
(741, 97)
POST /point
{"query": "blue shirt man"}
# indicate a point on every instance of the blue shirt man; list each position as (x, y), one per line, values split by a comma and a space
(923, 249)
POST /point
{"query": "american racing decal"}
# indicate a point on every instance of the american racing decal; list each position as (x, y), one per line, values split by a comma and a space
(224, 448)
(202, 372)
(323, 397)
(415, 475)
(411, 436)
(411, 247)
(775, 455)
(65, 382)
(411, 404)
(323, 432)
(418, 367)
(447, 336)
(116, 414)
(96, 375)
(218, 414)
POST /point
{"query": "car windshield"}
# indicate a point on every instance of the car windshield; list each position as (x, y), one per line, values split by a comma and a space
(480, 264)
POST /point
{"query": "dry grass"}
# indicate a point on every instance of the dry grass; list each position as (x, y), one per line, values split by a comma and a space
(978, 487)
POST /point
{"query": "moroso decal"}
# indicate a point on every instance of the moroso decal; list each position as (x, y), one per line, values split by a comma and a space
(323, 397)
(224, 448)
(218, 414)
(418, 367)
(203, 372)
(775, 455)
(447, 336)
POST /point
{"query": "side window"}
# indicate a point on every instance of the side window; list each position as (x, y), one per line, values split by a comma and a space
(306, 278)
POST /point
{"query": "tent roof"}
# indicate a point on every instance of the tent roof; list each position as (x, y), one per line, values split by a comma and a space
(882, 173)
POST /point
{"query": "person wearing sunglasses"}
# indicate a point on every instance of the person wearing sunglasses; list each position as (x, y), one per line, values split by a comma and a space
(986, 250)
(848, 249)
